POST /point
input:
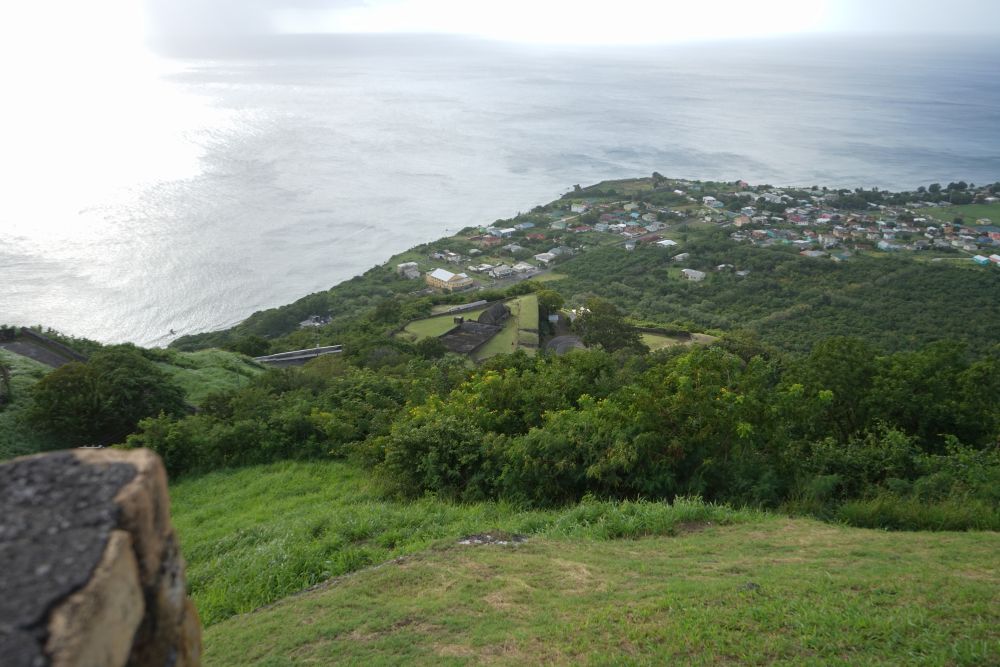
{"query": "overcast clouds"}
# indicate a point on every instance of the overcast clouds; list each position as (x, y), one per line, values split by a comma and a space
(563, 20)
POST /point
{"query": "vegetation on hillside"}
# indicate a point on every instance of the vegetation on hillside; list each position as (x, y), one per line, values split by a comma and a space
(861, 392)
(776, 592)
(792, 302)
(17, 437)
(255, 535)
(100, 401)
(844, 432)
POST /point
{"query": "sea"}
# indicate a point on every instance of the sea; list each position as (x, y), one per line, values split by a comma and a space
(161, 195)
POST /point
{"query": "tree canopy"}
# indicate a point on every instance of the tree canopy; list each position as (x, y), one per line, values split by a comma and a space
(101, 401)
(602, 324)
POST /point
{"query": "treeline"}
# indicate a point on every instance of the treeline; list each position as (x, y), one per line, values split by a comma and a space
(790, 301)
(904, 440)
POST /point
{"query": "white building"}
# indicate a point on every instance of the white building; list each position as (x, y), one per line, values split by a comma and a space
(693, 275)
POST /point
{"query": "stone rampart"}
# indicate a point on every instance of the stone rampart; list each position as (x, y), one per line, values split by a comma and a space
(92, 574)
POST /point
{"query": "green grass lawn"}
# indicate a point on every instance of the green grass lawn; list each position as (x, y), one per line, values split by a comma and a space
(255, 535)
(504, 342)
(658, 342)
(969, 213)
(435, 326)
(208, 371)
(771, 591)
(16, 438)
(520, 330)
(548, 277)
(527, 314)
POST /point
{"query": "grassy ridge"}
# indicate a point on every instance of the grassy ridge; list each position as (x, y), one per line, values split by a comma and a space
(789, 592)
(16, 438)
(255, 535)
(207, 371)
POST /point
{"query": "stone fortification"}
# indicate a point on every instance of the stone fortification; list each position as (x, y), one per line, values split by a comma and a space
(92, 574)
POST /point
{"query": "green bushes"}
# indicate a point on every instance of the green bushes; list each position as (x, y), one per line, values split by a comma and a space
(101, 401)
(842, 433)
(315, 412)
(704, 421)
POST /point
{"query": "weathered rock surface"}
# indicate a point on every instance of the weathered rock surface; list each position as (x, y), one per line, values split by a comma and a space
(92, 574)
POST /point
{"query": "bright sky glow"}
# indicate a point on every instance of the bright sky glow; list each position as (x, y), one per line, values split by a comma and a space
(85, 108)
(570, 21)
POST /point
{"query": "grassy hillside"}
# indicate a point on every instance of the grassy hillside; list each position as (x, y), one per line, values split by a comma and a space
(255, 535)
(206, 371)
(197, 373)
(16, 438)
(775, 591)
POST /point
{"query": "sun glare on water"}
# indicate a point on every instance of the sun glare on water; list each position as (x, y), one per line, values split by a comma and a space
(86, 115)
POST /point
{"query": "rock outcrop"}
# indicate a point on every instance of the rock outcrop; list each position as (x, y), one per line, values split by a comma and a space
(92, 575)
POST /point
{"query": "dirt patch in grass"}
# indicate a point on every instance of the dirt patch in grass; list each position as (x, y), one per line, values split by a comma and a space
(497, 537)
(687, 527)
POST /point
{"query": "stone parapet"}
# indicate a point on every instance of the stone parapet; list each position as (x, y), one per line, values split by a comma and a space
(92, 573)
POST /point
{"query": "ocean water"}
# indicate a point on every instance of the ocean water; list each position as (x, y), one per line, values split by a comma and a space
(186, 193)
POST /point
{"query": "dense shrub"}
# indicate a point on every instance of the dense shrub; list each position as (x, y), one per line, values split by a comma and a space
(102, 400)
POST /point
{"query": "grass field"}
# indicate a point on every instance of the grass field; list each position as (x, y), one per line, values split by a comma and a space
(208, 371)
(548, 277)
(527, 315)
(519, 332)
(504, 342)
(771, 591)
(16, 439)
(970, 213)
(658, 342)
(435, 326)
(255, 535)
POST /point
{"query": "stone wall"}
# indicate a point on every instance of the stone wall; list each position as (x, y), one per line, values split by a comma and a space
(91, 572)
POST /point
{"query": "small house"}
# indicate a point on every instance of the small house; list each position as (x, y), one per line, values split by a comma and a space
(408, 270)
(502, 271)
(693, 275)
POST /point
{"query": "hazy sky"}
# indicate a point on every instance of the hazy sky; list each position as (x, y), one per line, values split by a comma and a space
(574, 21)
(107, 26)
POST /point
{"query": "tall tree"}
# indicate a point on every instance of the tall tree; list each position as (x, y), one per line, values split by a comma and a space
(604, 325)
